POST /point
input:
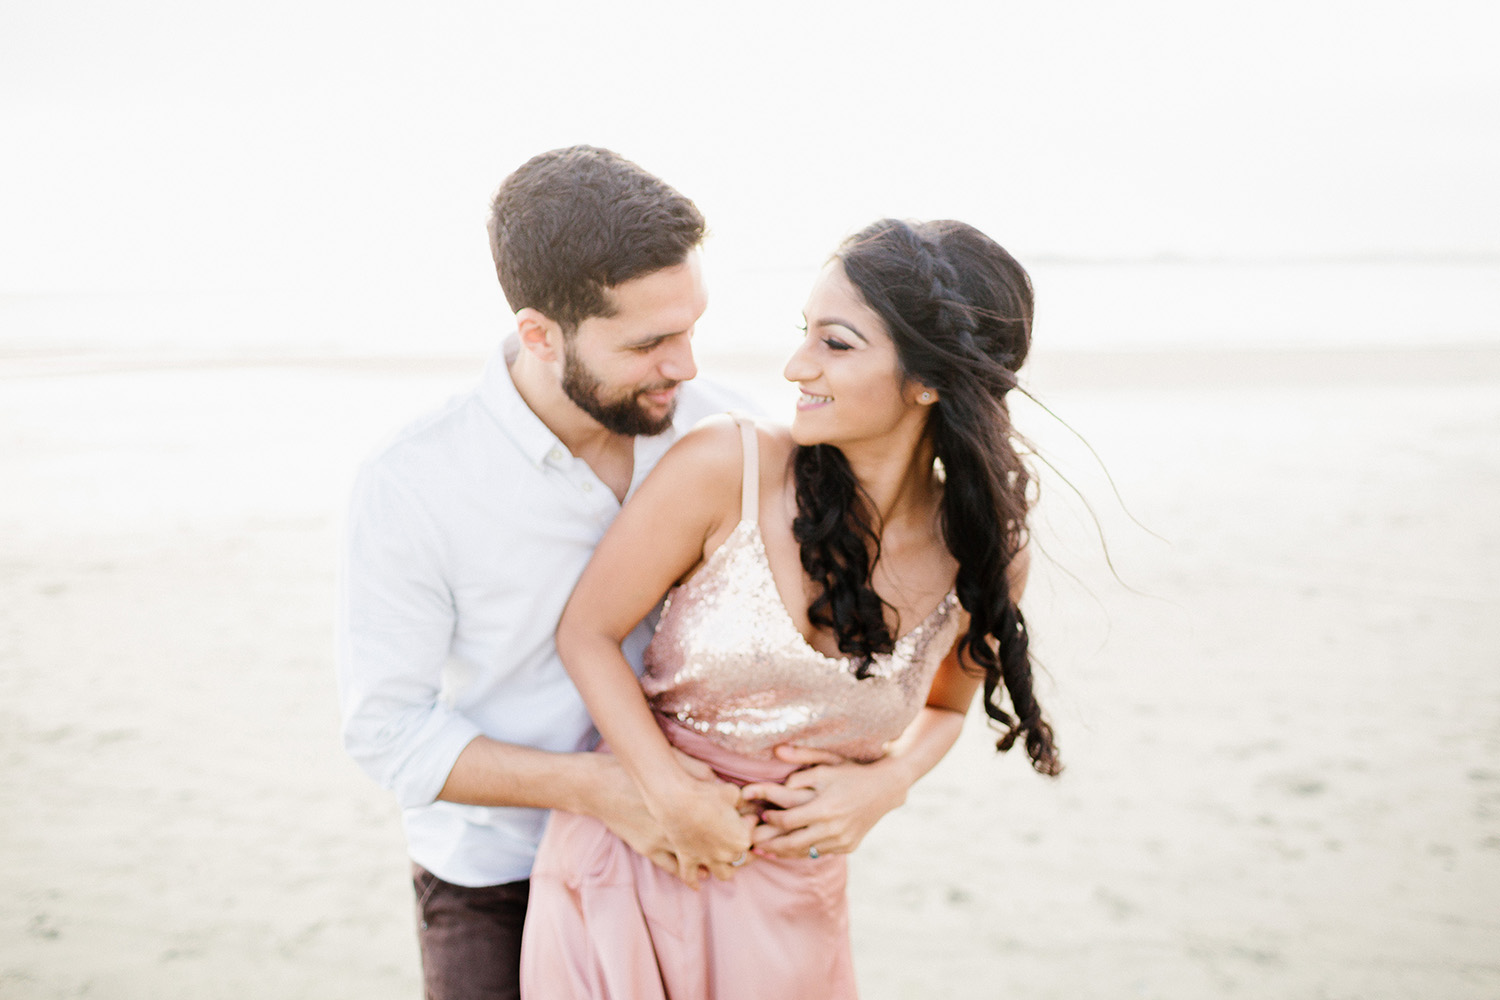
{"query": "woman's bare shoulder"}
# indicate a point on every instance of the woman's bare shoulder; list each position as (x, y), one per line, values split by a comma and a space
(708, 454)
(774, 441)
(716, 440)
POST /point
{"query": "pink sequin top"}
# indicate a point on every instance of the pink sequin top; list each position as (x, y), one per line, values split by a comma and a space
(728, 661)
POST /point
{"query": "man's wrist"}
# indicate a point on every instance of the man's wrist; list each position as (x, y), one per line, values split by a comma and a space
(586, 789)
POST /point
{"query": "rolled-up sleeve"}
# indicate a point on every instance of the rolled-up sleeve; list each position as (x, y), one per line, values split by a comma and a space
(396, 621)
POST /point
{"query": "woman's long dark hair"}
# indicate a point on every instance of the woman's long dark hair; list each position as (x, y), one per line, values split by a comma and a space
(959, 310)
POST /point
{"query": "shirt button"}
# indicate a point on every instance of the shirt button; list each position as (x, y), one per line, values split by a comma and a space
(587, 487)
(556, 454)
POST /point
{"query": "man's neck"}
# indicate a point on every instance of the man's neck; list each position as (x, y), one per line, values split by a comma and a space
(610, 455)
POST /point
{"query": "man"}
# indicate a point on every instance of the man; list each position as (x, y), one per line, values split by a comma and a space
(468, 531)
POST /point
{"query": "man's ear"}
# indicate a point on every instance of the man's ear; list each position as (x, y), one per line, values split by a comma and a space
(541, 336)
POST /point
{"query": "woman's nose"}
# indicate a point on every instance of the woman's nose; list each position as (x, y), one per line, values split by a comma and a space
(800, 367)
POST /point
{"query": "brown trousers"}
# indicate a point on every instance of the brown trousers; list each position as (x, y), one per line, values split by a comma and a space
(470, 938)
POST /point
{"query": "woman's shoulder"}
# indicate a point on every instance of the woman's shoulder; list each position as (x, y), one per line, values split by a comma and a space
(711, 442)
(711, 456)
(702, 474)
(707, 457)
(717, 439)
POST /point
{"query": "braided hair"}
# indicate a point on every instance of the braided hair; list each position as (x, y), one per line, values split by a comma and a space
(958, 308)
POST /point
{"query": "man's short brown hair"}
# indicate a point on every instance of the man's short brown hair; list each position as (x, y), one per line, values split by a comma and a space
(572, 223)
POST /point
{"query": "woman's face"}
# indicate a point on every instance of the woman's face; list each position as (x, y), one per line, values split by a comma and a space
(846, 367)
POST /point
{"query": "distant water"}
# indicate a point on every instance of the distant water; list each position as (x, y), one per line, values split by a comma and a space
(1104, 306)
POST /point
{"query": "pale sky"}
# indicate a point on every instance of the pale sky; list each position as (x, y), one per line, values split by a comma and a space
(181, 145)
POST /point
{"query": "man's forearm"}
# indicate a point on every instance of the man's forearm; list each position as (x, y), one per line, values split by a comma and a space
(491, 773)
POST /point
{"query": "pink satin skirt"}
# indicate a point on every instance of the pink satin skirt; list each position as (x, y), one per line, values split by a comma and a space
(604, 922)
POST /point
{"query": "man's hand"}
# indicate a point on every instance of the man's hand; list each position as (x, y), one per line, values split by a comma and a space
(829, 803)
(701, 820)
(620, 806)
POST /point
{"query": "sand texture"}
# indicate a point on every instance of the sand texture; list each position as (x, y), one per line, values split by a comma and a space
(1281, 718)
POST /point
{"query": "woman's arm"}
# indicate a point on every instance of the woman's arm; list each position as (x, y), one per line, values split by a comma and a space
(683, 509)
(831, 803)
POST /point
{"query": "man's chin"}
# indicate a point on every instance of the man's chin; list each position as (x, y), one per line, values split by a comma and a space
(637, 420)
(653, 423)
(657, 409)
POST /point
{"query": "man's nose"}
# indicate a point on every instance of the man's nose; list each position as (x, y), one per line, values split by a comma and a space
(678, 364)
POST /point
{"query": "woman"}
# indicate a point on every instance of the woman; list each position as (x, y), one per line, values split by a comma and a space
(837, 585)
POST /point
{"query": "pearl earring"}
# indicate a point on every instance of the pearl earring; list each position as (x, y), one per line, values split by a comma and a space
(926, 397)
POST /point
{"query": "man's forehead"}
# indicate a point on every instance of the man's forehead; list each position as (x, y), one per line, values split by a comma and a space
(656, 305)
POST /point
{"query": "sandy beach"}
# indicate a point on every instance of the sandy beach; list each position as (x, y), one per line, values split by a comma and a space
(1280, 710)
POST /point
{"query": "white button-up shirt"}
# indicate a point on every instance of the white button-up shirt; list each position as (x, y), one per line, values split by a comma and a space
(465, 537)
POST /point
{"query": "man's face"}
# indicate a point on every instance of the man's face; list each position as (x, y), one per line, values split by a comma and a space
(624, 370)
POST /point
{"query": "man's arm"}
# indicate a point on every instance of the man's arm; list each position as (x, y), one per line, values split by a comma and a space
(491, 773)
(396, 623)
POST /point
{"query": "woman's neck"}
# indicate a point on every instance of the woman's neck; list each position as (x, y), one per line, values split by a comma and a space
(899, 481)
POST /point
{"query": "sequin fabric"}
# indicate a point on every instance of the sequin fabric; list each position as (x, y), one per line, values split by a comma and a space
(728, 661)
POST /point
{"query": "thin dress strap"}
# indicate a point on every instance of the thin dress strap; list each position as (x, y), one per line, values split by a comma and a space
(750, 488)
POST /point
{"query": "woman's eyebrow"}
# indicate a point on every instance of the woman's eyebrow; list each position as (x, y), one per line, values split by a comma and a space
(836, 321)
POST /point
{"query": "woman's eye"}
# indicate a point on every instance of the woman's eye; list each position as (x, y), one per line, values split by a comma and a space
(832, 343)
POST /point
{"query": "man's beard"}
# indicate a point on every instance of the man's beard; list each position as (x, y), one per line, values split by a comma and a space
(619, 416)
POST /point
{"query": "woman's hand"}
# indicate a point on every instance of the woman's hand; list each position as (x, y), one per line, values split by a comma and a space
(828, 804)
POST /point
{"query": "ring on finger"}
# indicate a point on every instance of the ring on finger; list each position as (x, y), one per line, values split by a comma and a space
(744, 856)
(812, 852)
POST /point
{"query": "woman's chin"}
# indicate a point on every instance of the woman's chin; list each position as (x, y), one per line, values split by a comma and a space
(803, 435)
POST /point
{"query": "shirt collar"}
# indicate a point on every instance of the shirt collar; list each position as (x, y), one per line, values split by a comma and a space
(498, 394)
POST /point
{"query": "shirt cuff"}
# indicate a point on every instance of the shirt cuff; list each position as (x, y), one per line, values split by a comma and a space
(422, 776)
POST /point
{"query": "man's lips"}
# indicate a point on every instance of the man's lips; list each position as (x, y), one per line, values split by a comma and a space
(660, 396)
